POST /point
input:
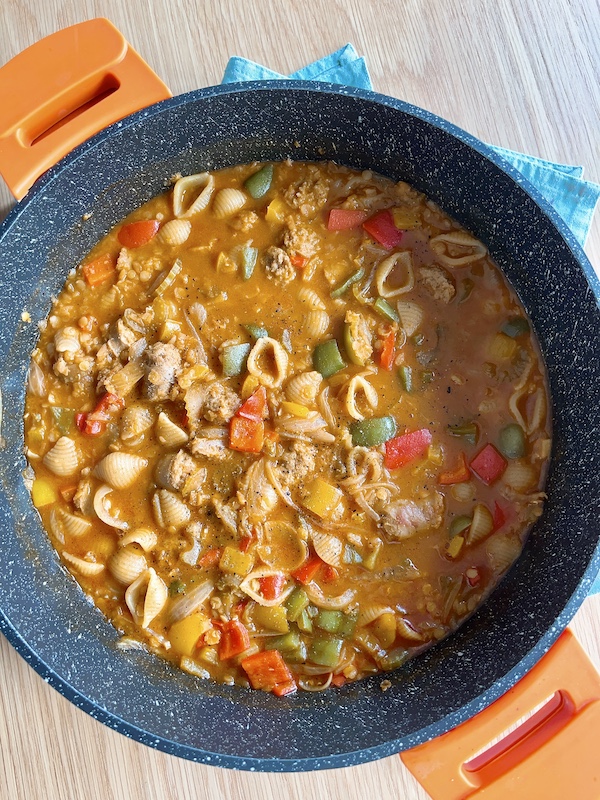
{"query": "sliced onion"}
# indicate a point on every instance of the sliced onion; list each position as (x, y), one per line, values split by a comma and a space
(264, 572)
(103, 513)
(317, 597)
(190, 602)
(308, 688)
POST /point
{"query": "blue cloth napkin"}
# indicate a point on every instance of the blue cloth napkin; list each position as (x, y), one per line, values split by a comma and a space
(561, 185)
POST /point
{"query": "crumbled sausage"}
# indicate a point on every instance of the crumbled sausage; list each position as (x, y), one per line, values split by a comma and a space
(214, 449)
(181, 467)
(220, 403)
(245, 221)
(278, 266)
(300, 239)
(163, 362)
(297, 463)
(308, 196)
(438, 283)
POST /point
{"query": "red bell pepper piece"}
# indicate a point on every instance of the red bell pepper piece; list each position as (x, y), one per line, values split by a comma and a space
(407, 447)
(457, 475)
(308, 570)
(388, 351)
(99, 270)
(267, 670)
(488, 464)
(344, 219)
(135, 234)
(211, 558)
(255, 407)
(271, 586)
(246, 435)
(234, 639)
(499, 517)
(330, 574)
(382, 228)
(298, 260)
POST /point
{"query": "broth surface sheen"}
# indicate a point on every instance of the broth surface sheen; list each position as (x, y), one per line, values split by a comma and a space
(288, 425)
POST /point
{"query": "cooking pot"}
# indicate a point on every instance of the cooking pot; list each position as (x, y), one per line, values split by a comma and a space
(43, 612)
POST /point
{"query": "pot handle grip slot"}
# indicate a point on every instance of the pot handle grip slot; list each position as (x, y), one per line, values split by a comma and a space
(540, 739)
(63, 89)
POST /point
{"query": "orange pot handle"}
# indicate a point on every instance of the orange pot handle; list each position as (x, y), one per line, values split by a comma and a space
(553, 754)
(62, 90)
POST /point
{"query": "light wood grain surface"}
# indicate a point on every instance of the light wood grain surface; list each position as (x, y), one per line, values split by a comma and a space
(524, 74)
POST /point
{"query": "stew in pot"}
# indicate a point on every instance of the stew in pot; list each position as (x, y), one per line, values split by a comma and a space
(288, 425)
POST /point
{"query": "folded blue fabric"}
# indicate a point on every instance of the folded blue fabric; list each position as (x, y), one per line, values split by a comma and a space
(561, 185)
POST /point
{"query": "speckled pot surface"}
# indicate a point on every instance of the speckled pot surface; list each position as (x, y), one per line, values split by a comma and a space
(43, 612)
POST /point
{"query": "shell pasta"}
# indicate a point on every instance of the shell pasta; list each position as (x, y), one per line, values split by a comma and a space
(287, 425)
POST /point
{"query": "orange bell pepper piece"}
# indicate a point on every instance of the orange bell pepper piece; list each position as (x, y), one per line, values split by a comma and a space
(459, 474)
(99, 270)
(135, 234)
(267, 670)
(234, 639)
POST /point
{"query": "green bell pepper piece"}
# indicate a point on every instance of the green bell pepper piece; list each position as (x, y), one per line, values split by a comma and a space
(249, 258)
(372, 432)
(296, 603)
(258, 185)
(256, 331)
(354, 278)
(512, 441)
(327, 358)
(325, 651)
(234, 359)
(386, 310)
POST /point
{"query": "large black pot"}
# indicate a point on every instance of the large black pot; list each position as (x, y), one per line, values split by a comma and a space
(43, 612)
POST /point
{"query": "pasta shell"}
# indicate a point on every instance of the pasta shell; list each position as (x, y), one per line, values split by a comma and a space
(369, 612)
(251, 586)
(397, 262)
(327, 547)
(304, 388)
(127, 564)
(520, 476)
(284, 549)
(146, 538)
(62, 459)
(268, 362)
(502, 550)
(170, 511)
(185, 187)
(227, 202)
(482, 524)
(120, 470)
(407, 631)
(411, 316)
(169, 434)
(311, 298)
(464, 492)
(317, 323)
(146, 597)
(71, 524)
(82, 566)
(457, 248)
(356, 386)
(175, 232)
(102, 506)
(66, 340)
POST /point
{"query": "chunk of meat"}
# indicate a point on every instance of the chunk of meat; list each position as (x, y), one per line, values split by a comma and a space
(174, 470)
(162, 365)
(213, 449)
(297, 464)
(300, 239)
(405, 518)
(278, 266)
(308, 196)
(438, 283)
(220, 403)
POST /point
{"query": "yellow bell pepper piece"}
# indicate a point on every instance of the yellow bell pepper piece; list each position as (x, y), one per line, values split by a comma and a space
(235, 562)
(168, 329)
(295, 409)
(322, 498)
(277, 210)
(184, 634)
(272, 617)
(406, 218)
(43, 493)
(249, 385)
(455, 546)
(384, 628)
(502, 347)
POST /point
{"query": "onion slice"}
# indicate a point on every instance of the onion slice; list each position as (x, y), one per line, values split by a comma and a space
(190, 602)
(317, 597)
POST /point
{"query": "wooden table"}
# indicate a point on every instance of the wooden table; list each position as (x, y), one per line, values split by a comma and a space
(524, 74)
